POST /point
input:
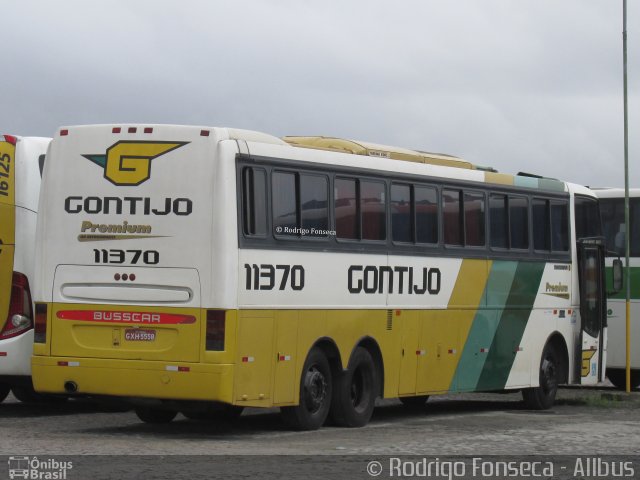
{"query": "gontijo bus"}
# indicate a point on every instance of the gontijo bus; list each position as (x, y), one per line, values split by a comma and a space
(613, 225)
(181, 266)
(20, 166)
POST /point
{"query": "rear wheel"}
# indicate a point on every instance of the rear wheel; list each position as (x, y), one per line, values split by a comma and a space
(355, 391)
(315, 394)
(4, 391)
(414, 402)
(542, 397)
(155, 415)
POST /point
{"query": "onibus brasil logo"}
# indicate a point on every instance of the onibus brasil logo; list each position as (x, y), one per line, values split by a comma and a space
(128, 162)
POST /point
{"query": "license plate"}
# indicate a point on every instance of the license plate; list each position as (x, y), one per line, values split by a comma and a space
(138, 335)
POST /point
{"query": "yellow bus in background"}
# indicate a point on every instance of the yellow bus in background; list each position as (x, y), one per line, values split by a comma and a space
(21, 160)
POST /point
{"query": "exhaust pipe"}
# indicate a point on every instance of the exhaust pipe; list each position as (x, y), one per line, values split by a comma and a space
(70, 387)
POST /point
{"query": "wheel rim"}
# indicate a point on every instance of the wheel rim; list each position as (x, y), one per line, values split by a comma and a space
(315, 389)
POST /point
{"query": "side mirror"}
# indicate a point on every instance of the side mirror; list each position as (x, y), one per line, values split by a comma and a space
(617, 275)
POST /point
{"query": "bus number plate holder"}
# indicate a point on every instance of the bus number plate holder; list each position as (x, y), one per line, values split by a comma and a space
(139, 335)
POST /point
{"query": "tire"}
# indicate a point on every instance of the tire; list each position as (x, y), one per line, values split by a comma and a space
(414, 402)
(618, 377)
(315, 394)
(4, 391)
(355, 391)
(543, 396)
(155, 415)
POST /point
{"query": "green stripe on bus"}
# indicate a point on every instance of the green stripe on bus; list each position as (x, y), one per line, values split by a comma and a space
(513, 320)
(485, 324)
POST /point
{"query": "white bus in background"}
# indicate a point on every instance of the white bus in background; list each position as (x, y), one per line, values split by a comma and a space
(613, 226)
(21, 162)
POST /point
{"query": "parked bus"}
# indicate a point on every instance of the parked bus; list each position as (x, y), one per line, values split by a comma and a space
(21, 161)
(613, 225)
(181, 267)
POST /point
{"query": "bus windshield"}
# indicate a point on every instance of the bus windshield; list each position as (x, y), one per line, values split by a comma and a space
(612, 211)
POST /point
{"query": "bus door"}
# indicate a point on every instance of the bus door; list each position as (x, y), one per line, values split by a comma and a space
(593, 320)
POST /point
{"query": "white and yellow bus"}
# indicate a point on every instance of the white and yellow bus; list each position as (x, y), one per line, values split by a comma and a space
(21, 161)
(181, 267)
(613, 226)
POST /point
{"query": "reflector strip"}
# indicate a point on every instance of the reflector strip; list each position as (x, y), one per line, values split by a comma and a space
(116, 130)
(64, 133)
(177, 368)
(484, 350)
(68, 364)
(132, 130)
(126, 317)
(284, 358)
(248, 359)
(204, 133)
(452, 351)
(148, 130)
(519, 349)
(398, 313)
(421, 352)
(3, 354)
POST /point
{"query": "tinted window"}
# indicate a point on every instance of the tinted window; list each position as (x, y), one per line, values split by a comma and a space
(314, 204)
(346, 208)
(474, 219)
(541, 231)
(401, 217)
(285, 218)
(519, 222)
(426, 208)
(372, 206)
(559, 226)
(587, 218)
(452, 217)
(255, 201)
(498, 221)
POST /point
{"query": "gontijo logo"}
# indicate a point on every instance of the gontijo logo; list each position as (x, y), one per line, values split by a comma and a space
(128, 162)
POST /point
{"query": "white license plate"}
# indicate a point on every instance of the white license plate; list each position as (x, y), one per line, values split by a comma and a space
(138, 335)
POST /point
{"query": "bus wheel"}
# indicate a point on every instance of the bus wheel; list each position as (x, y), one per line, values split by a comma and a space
(618, 377)
(414, 402)
(315, 394)
(355, 391)
(542, 397)
(155, 415)
(4, 391)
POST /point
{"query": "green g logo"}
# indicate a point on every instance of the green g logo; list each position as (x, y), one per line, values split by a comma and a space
(129, 162)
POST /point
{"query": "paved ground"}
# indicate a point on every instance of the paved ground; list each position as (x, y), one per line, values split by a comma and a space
(584, 422)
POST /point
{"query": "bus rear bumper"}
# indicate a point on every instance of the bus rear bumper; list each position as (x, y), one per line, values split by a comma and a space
(133, 378)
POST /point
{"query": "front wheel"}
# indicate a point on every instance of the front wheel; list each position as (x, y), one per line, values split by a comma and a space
(355, 391)
(155, 415)
(543, 396)
(315, 394)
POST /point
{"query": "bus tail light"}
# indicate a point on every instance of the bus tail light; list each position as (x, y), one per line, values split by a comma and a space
(215, 330)
(20, 318)
(10, 139)
(40, 328)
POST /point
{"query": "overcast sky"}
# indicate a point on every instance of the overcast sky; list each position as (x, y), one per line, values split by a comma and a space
(520, 85)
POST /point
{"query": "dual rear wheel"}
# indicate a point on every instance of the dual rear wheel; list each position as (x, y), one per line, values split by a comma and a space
(348, 396)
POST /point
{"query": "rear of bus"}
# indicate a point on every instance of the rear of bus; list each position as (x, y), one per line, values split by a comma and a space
(124, 252)
(20, 165)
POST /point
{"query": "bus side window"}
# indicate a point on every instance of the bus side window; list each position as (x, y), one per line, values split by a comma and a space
(541, 225)
(426, 208)
(254, 186)
(401, 213)
(452, 217)
(519, 222)
(346, 208)
(314, 201)
(559, 226)
(474, 209)
(373, 209)
(498, 231)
